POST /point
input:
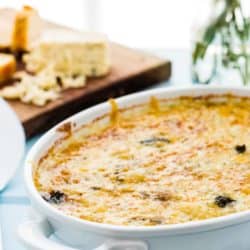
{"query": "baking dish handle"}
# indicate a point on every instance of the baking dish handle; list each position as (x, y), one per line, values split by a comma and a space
(34, 235)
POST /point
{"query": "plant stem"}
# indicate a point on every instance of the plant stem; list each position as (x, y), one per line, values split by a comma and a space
(228, 28)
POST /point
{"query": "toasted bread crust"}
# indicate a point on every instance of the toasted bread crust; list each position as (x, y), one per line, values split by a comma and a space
(20, 31)
(7, 68)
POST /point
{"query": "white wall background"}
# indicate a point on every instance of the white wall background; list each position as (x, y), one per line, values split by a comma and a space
(137, 23)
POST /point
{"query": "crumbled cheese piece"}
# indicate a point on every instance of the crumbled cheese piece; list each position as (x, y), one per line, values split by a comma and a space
(60, 79)
(42, 88)
(73, 82)
(13, 92)
(38, 96)
(46, 79)
(32, 89)
(7, 66)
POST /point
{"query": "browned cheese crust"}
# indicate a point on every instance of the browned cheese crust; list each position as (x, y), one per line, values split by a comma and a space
(163, 162)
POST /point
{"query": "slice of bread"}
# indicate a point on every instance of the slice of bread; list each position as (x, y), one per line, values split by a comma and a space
(7, 66)
(27, 29)
(7, 19)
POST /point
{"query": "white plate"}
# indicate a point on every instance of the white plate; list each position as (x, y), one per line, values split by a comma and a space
(12, 143)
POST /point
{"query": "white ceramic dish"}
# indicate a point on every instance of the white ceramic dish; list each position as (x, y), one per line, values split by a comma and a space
(229, 232)
(12, 143)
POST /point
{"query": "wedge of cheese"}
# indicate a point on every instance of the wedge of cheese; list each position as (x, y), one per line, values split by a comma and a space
(70, 53)
(27, 29)
(7, 66)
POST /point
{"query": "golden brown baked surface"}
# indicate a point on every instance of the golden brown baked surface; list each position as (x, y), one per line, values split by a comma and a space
(7, 66)
(166, 162)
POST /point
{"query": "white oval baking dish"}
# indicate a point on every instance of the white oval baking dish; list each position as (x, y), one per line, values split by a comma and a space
(229, 232)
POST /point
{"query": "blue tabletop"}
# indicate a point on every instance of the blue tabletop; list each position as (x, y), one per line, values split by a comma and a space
(14, 202)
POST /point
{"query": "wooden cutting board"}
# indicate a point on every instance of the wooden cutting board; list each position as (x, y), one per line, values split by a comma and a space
(131, 71)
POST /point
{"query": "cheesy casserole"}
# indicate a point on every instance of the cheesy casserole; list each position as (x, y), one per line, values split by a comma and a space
(163, 162)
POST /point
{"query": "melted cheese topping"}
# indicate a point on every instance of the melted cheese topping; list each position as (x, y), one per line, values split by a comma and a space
(165, 162)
